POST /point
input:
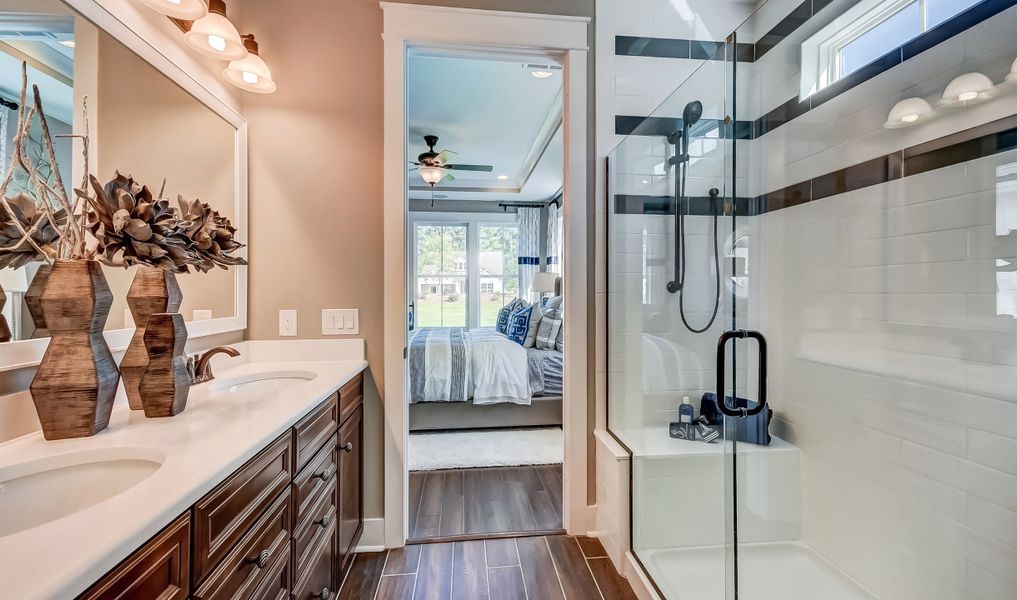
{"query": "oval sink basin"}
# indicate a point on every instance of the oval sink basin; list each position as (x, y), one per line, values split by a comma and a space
(260, 383)
(36, 492)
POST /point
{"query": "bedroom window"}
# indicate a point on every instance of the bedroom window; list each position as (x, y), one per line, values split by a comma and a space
(866, 32)
(441, 275)
(498, 259)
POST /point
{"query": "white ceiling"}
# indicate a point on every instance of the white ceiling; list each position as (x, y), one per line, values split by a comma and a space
(35, 37)
(490, 112)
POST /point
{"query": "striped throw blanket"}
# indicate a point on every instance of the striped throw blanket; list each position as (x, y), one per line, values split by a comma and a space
(439, 365)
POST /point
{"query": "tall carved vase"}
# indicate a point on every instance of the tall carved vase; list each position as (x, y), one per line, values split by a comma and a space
(5, 329)
(33, 300)
(153, 290)
(76, 383)
(166, 382)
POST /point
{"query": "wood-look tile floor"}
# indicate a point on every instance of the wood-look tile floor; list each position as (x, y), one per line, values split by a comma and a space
(471, 502)
(554, 567)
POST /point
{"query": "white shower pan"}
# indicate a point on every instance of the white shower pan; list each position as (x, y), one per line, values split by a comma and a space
(767, 571)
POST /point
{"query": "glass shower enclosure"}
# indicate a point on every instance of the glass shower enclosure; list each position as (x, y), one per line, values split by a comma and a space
(814, 240)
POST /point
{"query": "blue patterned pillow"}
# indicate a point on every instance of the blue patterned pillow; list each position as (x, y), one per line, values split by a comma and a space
(502, 324)
(519, 324)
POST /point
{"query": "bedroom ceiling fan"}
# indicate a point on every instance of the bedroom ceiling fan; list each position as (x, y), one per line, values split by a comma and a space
(433, 167)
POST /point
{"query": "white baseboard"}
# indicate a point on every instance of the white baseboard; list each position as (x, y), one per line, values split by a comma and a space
(638, 579)
(373, 538)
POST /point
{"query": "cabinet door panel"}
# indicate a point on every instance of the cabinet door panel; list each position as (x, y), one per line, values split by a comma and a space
(318, 582)
(351, 499)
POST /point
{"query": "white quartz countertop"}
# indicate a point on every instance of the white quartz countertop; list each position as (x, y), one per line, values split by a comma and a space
(200, 447)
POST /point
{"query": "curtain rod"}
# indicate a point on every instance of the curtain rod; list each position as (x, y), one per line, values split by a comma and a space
(507, 205)
(8, 104)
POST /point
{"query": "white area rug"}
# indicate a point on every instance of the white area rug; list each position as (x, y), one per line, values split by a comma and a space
(496, 448)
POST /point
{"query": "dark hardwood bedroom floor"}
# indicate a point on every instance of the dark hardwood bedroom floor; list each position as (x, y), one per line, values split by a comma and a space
(530, 568)
(464, 503)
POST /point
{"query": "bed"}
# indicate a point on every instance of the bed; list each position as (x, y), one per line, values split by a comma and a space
(478, 378)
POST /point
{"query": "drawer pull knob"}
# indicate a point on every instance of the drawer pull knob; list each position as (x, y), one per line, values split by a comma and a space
(323, 475)
(261, 560)
(324, 594)
(324, 521)
(348, 447)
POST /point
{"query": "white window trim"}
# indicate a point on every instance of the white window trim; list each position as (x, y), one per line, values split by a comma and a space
(473, 222)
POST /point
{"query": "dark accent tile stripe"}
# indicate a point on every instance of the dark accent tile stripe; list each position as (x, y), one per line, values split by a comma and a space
(634, 204)
(648, 46)
(787, 26)
(977, 142)
(707, 50)
(665, 126)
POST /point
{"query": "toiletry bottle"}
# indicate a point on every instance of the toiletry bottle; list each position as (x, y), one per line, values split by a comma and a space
(686, 412)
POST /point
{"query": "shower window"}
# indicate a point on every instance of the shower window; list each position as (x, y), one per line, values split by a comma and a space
(866, 32)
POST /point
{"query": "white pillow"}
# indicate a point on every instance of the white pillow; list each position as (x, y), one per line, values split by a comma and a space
(547, 333)
(559, 342)
(531, 335)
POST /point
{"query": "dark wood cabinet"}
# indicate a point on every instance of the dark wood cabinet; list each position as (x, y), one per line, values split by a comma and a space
(351, 491)
(282, 527)
(160, 569)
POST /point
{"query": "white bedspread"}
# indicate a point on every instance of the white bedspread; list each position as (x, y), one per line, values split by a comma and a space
(500, 371)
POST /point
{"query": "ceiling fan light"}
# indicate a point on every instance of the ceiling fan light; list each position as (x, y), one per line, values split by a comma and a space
(214, 36)
(431, 175)
(251, 73)
(186, 10)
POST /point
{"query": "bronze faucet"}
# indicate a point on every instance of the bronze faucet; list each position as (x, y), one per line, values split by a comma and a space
(199, 367)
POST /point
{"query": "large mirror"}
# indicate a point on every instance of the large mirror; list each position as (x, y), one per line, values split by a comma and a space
(141, 123)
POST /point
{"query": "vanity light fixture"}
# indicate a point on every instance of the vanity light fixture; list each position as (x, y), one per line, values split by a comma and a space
(503, 178)
(907, 112)
(251, 73)
(540, 74)
(214, 36)
(966, 89)
(1011, 77)
(187, 10)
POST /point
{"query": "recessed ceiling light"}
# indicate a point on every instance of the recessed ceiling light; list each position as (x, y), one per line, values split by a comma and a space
(503, 178)
(541, 74)
(68, 43)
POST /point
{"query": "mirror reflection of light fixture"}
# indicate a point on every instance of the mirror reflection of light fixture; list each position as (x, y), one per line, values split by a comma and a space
(541, 74)
(251, 73)
(966, 89)
(214, 36)
(907, 112)
(431, 175)
(186, 10)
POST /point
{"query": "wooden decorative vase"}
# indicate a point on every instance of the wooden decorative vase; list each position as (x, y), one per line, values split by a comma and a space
(153, 290)
(76, 383)
(5, 329)
(33, 300)
(166, 382)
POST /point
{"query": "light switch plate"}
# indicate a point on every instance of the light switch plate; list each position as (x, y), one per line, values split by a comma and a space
(288, 323)
(340, 321)
(201, 314)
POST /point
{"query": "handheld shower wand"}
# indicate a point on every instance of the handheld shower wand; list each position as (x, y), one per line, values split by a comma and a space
(680, 161)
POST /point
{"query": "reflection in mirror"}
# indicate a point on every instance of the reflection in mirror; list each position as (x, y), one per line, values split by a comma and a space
(142, 124)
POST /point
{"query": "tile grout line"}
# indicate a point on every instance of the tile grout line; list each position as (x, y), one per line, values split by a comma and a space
(452, 570)
(554, 566)
(487, 571)
(384, 565)
(519, 559)
(586, 561)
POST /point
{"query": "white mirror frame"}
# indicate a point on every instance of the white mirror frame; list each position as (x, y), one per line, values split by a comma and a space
(28, 353)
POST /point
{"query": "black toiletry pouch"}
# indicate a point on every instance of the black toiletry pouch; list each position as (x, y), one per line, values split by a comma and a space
(751, 430)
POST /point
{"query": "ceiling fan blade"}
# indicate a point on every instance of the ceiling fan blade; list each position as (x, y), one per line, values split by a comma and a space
(444, 155)
(447, 177)
(483, 168)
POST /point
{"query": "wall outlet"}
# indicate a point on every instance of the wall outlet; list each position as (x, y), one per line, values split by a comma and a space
(201, 314)
(288, 323)
(336, 321)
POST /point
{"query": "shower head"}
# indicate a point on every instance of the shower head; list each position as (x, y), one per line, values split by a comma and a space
(693, 111)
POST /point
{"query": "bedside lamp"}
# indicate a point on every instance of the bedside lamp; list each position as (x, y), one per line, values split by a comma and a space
(544, 283)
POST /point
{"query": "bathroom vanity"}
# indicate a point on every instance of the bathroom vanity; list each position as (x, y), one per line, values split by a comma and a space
(254, 491)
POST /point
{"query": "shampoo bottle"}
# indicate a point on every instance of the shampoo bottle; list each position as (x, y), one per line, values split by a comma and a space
(686, 412)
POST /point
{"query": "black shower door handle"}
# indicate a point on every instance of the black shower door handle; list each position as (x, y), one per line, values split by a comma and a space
(721, 359)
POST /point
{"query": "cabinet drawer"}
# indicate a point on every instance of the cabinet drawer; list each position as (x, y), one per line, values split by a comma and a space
(313, 480)
(226, 513)
(247, 567)
(160, 569)
(317, 582)
(313, 431)
(277, 581)
(319, 519)
(351, 396)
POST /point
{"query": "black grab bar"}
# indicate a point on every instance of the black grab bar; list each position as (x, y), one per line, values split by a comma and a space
(721, 398)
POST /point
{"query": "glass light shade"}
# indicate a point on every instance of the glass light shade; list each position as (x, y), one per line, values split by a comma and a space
(214, 36)
(431, 175)
(968, 88)
(187, 10)
(251, 74)
(1012, 75)
(907, 112)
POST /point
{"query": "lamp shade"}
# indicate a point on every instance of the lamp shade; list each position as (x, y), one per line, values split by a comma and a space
(1012, 75)
(187, 10)
(214, 36)
(968, 88)
(907, 112)
(251, 73)
(544, 282)
(431, 175)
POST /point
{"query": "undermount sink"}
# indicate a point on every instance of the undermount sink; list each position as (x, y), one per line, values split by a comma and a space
(36, 492)
(259, 383)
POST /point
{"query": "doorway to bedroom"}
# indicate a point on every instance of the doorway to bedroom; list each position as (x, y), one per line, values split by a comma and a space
(485, 314)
